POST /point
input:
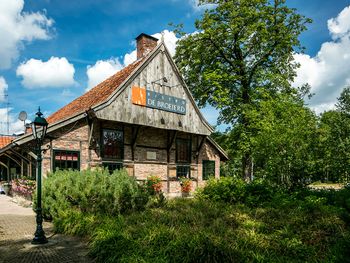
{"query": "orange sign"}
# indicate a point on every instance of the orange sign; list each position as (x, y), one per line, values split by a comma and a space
(138, 96)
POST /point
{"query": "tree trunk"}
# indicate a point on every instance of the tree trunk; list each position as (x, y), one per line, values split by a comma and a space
(247, 167)
(247, 156)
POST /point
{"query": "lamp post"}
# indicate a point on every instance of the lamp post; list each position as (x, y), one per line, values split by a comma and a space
(39, 127)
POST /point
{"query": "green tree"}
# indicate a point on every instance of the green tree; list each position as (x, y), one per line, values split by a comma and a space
(240, 48)
(343, 104)
(334, 150)
(285, 142)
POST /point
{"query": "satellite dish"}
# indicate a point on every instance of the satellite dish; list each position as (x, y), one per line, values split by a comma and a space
(22, 116)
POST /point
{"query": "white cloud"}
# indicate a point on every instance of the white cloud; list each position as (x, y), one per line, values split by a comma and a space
(3, 89)
(196, 7)
(102, 70)
(15, 125)
(130, 57)
(16, 27)
(329, 71)
(340, 26)
(170, 40)
(54, 73)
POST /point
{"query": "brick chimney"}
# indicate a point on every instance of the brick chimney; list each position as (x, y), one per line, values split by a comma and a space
(145, 44)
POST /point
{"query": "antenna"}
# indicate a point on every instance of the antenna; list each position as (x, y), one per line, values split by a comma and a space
(22, 116)
(7, 114)
(5, 97)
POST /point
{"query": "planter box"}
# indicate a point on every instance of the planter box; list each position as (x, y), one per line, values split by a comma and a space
(7, 188)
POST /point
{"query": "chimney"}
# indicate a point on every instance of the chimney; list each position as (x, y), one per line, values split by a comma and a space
(145, 44)
(27, 128)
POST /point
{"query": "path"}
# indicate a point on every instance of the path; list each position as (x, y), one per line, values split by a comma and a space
(17, 226)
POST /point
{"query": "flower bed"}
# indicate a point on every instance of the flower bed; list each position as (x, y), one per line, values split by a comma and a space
(23, 187)
(154, 184)
(186, 186)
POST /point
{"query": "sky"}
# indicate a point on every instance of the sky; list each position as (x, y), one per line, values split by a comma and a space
(52, 51)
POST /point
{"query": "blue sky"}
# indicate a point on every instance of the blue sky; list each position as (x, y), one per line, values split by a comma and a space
(85, 40)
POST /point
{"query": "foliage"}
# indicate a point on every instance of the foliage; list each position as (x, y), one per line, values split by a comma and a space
(23, 186)
(235, 190)
(154, 184)
(91, 191)
(285, 144)
(334, 154)
(241, 47)
(343, 104)
(186, 184)
(289, 230)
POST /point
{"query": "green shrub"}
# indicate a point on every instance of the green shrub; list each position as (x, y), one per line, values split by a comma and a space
(91, 192)
(227, 189)
(154, 184)
(233, 190)
(204, 231)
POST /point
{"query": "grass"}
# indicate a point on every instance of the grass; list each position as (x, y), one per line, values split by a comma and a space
(227, 221)
(285, 230)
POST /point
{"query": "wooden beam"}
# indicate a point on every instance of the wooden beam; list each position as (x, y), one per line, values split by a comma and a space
(200, 146)
(13, 159)
(20, 155)
(135, 133)
(172, 140)
(91, 130)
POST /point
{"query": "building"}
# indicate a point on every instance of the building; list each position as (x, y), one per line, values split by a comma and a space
(143, 118)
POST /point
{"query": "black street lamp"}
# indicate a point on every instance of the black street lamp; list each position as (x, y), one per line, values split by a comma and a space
(39, 127)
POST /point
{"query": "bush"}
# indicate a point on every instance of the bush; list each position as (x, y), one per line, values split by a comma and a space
(233, 190)
(227, 189)
(95, 192)
(154, 184)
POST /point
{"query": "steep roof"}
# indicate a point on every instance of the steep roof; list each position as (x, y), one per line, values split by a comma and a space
(5, 140)
(94, 96)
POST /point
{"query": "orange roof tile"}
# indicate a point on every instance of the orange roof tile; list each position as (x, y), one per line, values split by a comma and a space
(5, 140)
(94, 96)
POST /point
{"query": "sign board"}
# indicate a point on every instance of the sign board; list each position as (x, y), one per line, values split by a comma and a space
(151, 155)
(156, 100)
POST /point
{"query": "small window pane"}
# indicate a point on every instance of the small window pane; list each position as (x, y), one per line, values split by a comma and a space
(63, 160)
(113, 142)
(183, 171)
(183, 151)
(113, 166)
(208, 169)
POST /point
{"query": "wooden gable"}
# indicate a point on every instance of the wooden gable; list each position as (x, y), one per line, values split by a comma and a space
(148, 99)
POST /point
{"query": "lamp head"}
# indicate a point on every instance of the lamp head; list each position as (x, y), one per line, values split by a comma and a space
(39, 126)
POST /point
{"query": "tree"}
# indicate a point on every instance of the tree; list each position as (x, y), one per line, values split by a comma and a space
(286, 141)
(240, 48)
(334, 152)
(343, 104)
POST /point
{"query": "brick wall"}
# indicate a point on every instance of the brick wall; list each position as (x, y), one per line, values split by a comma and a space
(150, 155)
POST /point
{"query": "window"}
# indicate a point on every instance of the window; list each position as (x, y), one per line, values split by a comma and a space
(183, 151)
(63, 160)
(113, 166)
(183, 158)
(112, 144)
(183, 171)
(208, 169)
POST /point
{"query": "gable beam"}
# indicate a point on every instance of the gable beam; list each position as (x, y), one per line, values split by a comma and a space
(200, 146)
(20, 156)
(172, 140)
(135, 133)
